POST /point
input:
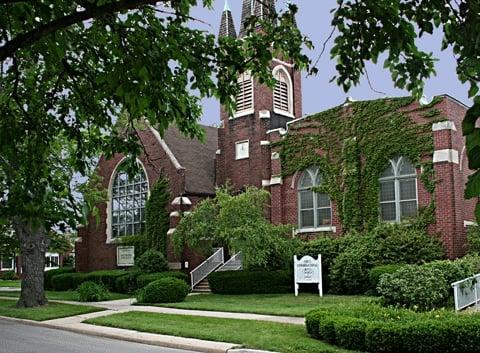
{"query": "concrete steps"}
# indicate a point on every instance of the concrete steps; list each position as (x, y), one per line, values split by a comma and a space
(202, 287)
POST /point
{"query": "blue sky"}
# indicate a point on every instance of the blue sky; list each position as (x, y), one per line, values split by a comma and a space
(314, 19)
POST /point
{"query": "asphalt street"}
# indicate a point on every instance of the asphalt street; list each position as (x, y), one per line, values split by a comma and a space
(19, 338)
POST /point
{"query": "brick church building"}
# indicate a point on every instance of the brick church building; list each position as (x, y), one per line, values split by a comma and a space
(245, 150)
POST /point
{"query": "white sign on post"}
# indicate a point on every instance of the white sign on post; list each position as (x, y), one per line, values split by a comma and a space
(125, 255)
(308, 270)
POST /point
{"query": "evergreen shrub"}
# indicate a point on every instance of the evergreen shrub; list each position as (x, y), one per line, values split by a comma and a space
(146, 278)
(92, 292)
(376, 273)
(152, 261)
(251, 282)
(165, 290)
(8, 275)
(48, 275)
(70, 281)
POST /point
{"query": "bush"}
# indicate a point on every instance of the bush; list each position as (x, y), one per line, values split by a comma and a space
(381, 330)
(48, 275)
(8, 275)
(473, 236)
(127, 283)
(69, 281)
(328, 247)
(165, 290)
(92, 292)
(145, 279)
(375, 273)
(415, 287)
(251, 282)
(152, 261)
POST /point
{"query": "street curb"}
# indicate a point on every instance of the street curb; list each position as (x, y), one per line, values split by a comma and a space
(244, 350)
(156, 339)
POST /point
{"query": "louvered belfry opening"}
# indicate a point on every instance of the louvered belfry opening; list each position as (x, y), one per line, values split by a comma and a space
(244, 97)
(281, 99)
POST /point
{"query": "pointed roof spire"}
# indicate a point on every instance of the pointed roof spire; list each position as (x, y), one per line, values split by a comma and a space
(227, 25)
(258, 8)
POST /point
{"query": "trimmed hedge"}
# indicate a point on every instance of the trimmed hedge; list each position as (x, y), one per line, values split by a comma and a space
(378, 330)
(70, 281)
(250, 282)
(8, 275)
(128, 283)
(48, 275)
(144, 279)
(165, 290)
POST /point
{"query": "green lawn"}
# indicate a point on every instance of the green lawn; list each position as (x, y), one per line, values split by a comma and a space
(247, 333)
(272, 304)
(46, 312)
(68, 295)
(6, 283)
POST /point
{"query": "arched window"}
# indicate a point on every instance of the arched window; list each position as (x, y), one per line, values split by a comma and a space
(128, 199)
(282, 92)
(398, 191)
(314, 209)
(244, 98)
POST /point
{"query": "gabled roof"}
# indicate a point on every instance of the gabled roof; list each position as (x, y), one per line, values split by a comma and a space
(197, 158)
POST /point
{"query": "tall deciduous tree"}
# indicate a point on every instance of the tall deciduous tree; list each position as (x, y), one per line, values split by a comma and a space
(68, 67)
(370, 28)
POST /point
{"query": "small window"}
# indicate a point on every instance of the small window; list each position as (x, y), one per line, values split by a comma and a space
(7, 263)
(314, 209)
(52, 261)
(282, 92)
(398, 191)
(241, 150)
(244, 98)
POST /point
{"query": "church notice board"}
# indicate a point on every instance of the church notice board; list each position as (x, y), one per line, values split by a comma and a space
(308, 270)
(125, 256)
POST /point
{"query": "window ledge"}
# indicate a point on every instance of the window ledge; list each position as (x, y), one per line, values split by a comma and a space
(242, 113)
(283, 112)
(332, 229)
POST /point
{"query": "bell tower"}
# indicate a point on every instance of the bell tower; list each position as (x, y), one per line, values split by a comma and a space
(244, 156)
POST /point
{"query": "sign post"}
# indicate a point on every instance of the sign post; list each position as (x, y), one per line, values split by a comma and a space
(125, 256)
(308, 270)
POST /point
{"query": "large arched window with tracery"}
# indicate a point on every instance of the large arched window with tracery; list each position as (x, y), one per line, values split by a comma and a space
(314, 208)
(128, 198)
(398, 191)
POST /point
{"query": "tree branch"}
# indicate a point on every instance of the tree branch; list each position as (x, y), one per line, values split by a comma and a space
(28, 38)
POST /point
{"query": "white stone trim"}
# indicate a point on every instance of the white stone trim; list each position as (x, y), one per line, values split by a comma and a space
(444, 125)
(265, 182)
(469, 224)
(275, 155)
(243, 113)
(174, 214)
(219, 151)
(167, 149)
(78, 239)
(264, 114)
(181, 201)
(289, 113)
(332, 229)
(276, 180)
(282, 62)
(462, 154)
(171, 231)
(186, 213)
(264, 143)
(280, 130)
(446, 155)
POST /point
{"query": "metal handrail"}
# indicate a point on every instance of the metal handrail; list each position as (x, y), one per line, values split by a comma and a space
(206, 267)
(466, 294)
(233, 264)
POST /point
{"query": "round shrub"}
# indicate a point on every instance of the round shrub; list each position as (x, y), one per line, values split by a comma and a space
(147, 278)
(250, 282)
(165, 290)
(152, 261)
(92, 292)
(375, 273)
(415, 287)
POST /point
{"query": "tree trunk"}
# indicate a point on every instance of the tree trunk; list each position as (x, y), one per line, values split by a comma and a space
(33, 244)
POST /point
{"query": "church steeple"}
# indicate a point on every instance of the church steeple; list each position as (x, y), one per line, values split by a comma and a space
(227, 25)
(257, 8)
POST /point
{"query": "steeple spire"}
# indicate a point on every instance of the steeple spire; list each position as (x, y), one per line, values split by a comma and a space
(227, 26)
(257, 8)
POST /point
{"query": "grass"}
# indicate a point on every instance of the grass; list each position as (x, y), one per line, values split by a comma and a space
(269, 304)
(46, 312)
(8, 283)
(67, 295)
(277, 337)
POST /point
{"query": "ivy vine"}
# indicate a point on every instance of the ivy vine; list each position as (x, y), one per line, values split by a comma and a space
(352, 145)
